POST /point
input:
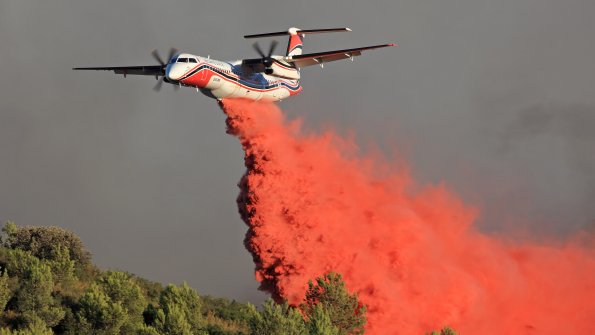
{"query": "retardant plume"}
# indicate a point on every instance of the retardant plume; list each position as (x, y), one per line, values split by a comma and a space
(313, 204)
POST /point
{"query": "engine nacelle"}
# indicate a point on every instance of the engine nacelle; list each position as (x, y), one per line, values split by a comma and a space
(282, 70)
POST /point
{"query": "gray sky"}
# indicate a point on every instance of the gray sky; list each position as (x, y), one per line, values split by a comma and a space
(497, 98)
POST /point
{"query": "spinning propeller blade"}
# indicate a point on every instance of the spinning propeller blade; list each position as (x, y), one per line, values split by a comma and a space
(163, 64)
(267, 60)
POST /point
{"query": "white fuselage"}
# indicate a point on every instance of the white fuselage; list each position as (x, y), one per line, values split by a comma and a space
(223, 80)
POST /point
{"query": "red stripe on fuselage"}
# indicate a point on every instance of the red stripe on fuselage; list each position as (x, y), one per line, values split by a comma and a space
(192, 69)
(210, 73)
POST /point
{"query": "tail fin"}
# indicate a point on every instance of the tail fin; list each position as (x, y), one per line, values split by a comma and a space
(296, 37)
(296, 42)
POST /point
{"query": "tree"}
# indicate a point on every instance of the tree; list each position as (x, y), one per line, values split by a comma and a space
(34, 298)
(121, 288)
(184, 299)
(17, 262)
(345, 311)
(99, 314)
(320, 323)
(113, 305)
(62, 266)
(43, 242)
(172, 320)
(278, 319)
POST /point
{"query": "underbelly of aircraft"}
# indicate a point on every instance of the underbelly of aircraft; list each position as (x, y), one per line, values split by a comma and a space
(216, 86)
(233, 90)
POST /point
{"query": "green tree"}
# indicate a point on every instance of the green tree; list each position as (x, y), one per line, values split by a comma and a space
(121, 288)
(344, 309)
(43, 242)
(99, 314)
(62, 266)
(172, 320)
(34, 298)
(17, 262)
(10, 229)
(184, 299)
(320, 323)
(5, 291)
(278, 319)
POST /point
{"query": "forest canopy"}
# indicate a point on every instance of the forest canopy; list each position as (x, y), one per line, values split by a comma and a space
(48, 285)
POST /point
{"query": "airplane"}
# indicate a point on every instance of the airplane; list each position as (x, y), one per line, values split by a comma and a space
(269, 78)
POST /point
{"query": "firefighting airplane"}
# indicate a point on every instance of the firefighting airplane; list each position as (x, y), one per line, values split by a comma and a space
(270, 77)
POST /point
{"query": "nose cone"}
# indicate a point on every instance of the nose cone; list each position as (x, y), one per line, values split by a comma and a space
(174, 72)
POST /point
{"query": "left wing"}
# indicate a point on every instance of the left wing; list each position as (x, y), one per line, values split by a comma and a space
(324, 57)
(150, 70)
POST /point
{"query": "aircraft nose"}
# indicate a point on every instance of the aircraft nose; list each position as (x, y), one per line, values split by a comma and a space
(174, 72)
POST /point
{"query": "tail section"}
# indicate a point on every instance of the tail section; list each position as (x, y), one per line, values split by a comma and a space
(296, 42)
(296, 37)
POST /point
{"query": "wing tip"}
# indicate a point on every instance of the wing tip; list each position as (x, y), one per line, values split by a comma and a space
(393, 45)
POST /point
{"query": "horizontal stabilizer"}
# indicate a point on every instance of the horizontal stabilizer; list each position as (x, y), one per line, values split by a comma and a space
(295, 31)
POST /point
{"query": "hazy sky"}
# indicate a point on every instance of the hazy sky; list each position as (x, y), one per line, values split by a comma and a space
(496, 98)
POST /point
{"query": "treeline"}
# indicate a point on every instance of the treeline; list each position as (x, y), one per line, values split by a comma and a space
(48, 285)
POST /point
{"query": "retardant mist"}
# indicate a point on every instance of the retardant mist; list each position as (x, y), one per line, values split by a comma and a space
(314, 204)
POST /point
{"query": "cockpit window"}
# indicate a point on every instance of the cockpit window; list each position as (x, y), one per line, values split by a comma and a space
(182, 60)
(192, 60)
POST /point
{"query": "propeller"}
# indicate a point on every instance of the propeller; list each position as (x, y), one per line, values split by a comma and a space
(158, 58)
(159, 84)
(267, 60)
(163, 64)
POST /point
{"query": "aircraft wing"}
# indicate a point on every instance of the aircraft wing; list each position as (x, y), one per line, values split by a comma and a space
(150, 70)
(329, 56)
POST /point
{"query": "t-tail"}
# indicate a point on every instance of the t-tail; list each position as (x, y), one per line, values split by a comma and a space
(296, 37)
(284, 66)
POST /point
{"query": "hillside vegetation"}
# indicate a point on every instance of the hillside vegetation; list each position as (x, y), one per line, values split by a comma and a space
(48, 285)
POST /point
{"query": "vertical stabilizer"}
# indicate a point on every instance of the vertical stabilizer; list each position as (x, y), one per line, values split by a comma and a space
(296, 41)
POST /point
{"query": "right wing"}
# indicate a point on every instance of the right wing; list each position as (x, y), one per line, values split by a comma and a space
(329, 56)
(150, 70)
